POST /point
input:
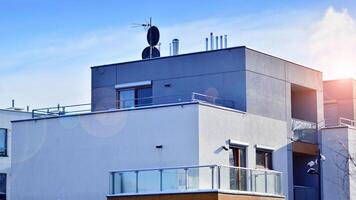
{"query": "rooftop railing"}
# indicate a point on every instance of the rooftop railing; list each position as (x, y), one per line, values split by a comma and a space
(347, 122)
(60, 110)
(196, 179)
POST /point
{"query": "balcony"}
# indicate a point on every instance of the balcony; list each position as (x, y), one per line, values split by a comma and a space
(304, 131)
(209, 178)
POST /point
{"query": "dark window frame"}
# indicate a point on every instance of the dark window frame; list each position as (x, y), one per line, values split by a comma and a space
(135, 89)
(239, 162)
(267, 159)
(5, 153)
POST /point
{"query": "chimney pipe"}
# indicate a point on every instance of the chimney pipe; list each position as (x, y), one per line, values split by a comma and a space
(221, 41)
(225, 41)
(206, 44)
(175, 47)
(13, 103)
(170, 49)
(217, 42)
(211, 41)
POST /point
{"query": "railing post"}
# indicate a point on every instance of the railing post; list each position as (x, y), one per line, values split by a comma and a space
(160, 180)
(212, 177)
(186, 178)
(251, 180)
(219, 177)
(265, 181)
(136, 181)
(112, 177)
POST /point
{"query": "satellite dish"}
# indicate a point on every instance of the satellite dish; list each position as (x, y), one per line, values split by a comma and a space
(146, 53)
(153, 36)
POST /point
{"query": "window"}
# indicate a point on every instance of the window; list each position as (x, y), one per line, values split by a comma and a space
(2, 186)
(134, 97)
(263, 159)
(237, 157)
(3, 142)
(143, 96)
(127, 98)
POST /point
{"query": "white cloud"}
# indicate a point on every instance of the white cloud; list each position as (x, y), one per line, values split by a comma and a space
(332, 44)
(57, 70)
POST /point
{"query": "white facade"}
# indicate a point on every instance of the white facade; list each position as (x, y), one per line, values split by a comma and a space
(338, 170)
(70, 157)
(6, 116)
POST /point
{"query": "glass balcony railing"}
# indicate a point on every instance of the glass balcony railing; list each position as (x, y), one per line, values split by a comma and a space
(196, 178)
(305, 131)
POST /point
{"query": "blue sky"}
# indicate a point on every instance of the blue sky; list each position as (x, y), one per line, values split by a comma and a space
(47, 47)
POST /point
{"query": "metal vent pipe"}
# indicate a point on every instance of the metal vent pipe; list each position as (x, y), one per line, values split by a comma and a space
(211, 41)
(175, 45)
(206, 44)
(225, 41)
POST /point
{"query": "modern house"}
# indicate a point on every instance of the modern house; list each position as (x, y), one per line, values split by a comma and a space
(6, 116)
(221, 124)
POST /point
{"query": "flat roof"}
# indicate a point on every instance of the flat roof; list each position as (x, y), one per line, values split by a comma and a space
(202, 52)
(132, 109)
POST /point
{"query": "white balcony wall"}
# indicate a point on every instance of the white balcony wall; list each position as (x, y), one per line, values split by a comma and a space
(70, 157)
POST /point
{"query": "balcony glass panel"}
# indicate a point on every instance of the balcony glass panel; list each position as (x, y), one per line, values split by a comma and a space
(197, 178)
(149, 181)
(173, 179)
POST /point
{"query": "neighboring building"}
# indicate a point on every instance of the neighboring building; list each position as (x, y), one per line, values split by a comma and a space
(339, 100)
(6, 116)
(338, 140)
(230, 107)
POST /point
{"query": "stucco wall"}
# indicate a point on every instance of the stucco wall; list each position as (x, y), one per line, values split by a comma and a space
(6, 116)
(216, 73)
(70, 157)
(217, 126)
(337, 184)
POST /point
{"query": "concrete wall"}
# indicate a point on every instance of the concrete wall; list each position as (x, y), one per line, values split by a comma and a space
(216, 73)
(217, 126)
(337, 144)
(70, 157)
(6, 116)
(269, 83)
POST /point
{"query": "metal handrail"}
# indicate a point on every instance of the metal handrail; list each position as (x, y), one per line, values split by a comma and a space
(163, 168)
(347, 122)
(160, 100)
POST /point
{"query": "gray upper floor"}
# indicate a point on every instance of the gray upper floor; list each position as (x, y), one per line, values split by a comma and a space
(245, 79)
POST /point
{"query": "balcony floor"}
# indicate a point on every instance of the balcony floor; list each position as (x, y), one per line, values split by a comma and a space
(195, 196)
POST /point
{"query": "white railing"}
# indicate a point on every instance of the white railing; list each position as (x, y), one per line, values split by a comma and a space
(196, 179)
(347, 122)
(60, 110)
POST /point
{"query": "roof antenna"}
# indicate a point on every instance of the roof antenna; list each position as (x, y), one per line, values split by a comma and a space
(152, 38)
